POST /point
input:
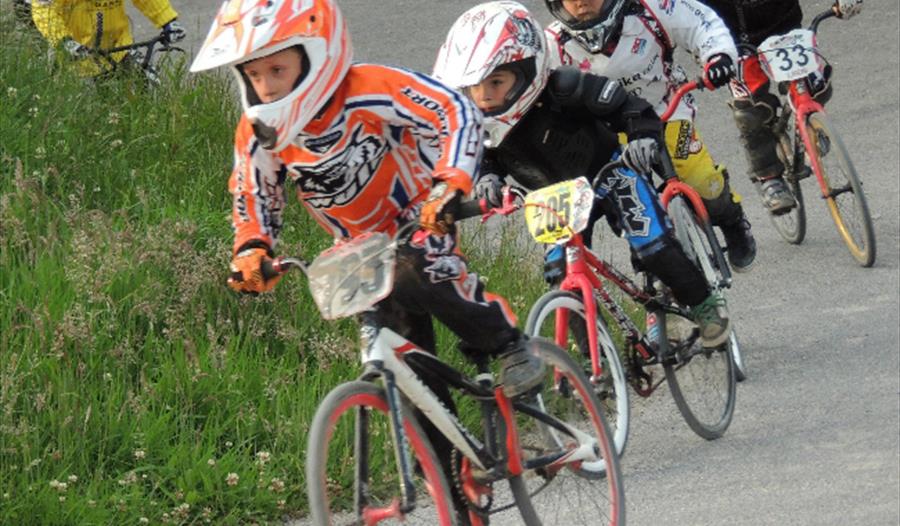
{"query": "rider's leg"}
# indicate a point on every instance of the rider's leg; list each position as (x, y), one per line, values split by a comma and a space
(754, 109)
(666, 260)
(649, 233)
(696, 167)
(445, 289)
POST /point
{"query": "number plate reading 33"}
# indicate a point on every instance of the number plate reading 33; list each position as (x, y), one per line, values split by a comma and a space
(351, 277)
(557, 212)
(790, 56)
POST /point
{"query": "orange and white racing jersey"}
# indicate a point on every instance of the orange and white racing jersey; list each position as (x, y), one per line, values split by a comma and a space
(365, 161)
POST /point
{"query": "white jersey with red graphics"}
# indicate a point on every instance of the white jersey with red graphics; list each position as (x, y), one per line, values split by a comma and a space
(639, 58)
(365, 161)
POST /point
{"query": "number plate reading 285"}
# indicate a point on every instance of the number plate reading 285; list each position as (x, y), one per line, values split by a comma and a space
(351, 277)
(790, 56)
(557, 212)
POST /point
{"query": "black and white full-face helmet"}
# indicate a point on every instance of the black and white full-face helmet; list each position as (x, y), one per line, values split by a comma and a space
(594, 34)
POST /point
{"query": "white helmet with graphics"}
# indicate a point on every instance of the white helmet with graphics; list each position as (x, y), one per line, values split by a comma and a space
(494, 35)
(594, 33)
(246, 30)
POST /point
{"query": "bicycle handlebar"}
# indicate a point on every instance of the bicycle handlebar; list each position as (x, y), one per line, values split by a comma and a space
(467, 209)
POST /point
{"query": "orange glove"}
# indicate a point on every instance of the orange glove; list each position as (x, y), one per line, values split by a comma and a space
(246, 272)
(440, 208)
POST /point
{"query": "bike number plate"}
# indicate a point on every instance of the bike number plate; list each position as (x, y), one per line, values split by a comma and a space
(351, 277)
(790, 56)
(557, 212)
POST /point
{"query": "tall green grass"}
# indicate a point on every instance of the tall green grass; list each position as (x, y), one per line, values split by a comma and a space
(134, 386)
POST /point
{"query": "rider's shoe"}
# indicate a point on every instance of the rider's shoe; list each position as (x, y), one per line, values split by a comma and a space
(521, 369)
(740, 244)
(711, 317)
(776, 197)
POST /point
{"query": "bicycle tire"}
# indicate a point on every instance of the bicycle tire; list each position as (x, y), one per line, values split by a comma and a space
(612, 388)
(791, 226)
(585, 492)
(334, 499)
(707, 404)
(836, 172)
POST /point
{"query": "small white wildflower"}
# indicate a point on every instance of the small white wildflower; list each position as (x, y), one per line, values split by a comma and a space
(6, 495)
(33, 111)
(229, 444)
(232, 479)
(262, 457)
(107, 376)
(36, 97)
(144, 520)
(116, 143)
(54, 484)
(40, 152)
(277, 485)
(62, 498)
(139, 454)
(113, 118)
(211, 462)
(73, 479)
(11, 92)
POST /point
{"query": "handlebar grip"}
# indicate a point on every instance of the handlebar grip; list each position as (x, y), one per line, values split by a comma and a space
(271, 268)
(665, 163)
(472, 208)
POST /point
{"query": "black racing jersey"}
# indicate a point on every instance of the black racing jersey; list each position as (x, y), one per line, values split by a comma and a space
(571, 130)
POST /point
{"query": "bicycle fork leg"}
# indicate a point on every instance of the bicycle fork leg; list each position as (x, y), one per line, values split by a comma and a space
(401, 448)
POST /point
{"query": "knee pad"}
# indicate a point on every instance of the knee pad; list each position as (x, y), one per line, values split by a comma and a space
(754, 113)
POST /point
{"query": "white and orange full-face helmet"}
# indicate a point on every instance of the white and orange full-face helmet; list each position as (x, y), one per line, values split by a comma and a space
(490, 36)
(246, 30)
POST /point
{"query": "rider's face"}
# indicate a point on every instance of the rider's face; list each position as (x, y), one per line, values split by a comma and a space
(273, 77)
(490, 93)
(583, 10)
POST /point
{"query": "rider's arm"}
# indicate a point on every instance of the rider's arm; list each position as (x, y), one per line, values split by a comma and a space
(437, 113)
(257, 187)
(160, 12)
(607, 99)
(695, 27)
(50, 22)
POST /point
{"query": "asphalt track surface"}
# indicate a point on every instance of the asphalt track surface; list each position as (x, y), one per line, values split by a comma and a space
(816, 434)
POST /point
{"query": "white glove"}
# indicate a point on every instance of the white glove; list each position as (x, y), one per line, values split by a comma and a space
(848, 8)
(641, 154)
(490, 188)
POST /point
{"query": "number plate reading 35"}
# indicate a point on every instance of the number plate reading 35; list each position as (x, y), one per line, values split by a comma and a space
(557, 212)
(351, 277)
(790, 56)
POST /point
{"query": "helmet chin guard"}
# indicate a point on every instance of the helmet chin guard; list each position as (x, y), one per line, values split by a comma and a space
(594, 34)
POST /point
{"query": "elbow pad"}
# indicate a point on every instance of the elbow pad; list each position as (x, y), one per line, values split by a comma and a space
(570, 87)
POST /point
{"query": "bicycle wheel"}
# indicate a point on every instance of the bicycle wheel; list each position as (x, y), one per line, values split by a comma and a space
(702, 381)
(612, 387)
(844, 196)
(352, 473)
(791, 226)
(581, 492)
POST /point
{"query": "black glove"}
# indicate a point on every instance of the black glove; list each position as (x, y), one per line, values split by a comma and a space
(74, 49)
(719, 69)
(490, 188)
(174, 31)
(641, 154)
